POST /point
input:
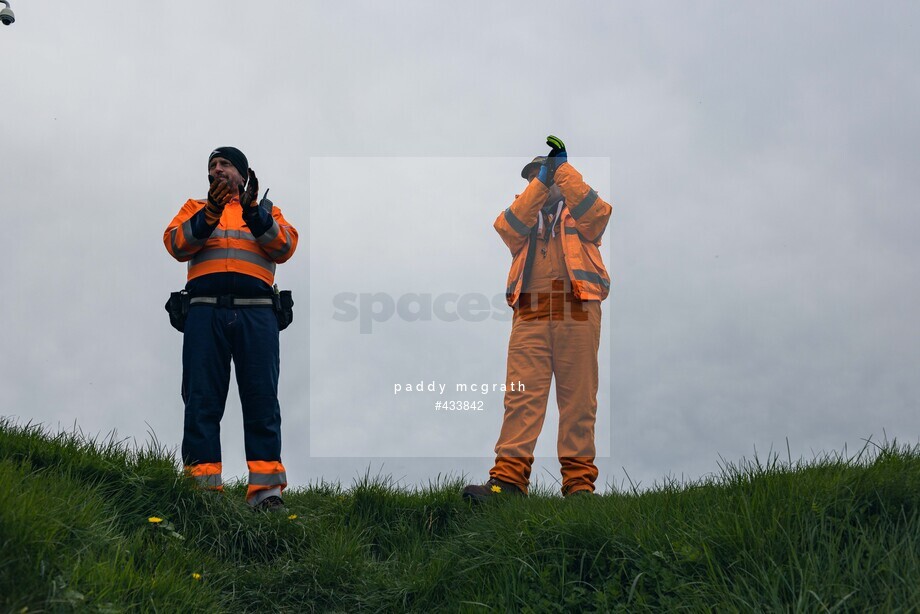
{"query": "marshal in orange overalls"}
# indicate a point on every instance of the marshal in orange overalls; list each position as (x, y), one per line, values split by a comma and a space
(556, 284)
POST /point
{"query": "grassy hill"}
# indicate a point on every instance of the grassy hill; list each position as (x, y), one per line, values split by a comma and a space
(834, 534)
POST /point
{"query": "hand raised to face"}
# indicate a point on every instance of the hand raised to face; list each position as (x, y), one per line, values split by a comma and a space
(248, 195)
(219, 194)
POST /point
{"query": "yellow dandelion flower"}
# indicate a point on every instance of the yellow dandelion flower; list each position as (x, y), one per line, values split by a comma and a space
(292, 517)
(196, 576)
(496, 488)
(155, 520)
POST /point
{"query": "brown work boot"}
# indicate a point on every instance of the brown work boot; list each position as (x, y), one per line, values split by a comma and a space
(480, 492)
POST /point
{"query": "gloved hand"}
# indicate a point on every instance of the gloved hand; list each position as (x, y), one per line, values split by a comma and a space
(219, 194)
(557, 151)
(249, 193)
(557, 157)
(258, 218)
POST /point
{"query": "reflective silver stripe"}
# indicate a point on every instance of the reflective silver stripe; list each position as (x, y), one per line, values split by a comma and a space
(232, 234)
(173, 235)
(584, 205)
(267, 479)
(193, 242)
(209, 481)
(219, 253)
(520, 227)
(190, 237)
(262, 239)
(277, 253)
(212, 300)
(270, 234)
(591, 277)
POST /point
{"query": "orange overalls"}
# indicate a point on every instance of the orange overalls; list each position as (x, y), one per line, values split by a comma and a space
(556, 328)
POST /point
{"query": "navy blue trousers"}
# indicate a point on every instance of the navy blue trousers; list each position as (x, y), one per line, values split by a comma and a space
(214, 336)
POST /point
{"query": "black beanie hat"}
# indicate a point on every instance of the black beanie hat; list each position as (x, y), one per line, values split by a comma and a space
(236, 158)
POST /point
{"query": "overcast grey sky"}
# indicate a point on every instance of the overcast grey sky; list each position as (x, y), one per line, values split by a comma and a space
(760, 159)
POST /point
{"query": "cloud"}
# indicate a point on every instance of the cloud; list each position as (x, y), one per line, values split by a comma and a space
(761, 171)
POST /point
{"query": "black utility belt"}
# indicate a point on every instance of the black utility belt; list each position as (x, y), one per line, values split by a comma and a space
(180, 302)
(228, 300)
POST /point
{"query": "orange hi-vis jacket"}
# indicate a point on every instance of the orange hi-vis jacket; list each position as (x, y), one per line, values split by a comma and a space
(583, 220)
(231, 246)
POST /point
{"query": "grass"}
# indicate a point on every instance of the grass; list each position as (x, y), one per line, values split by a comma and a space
(833, 534)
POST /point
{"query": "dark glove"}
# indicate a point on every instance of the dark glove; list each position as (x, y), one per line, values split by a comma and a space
(249, 193)
(557, 157)
(257, 217)
(219, 194)
(557, 151)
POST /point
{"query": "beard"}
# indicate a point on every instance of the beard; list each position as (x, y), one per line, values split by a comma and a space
(235, 182)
